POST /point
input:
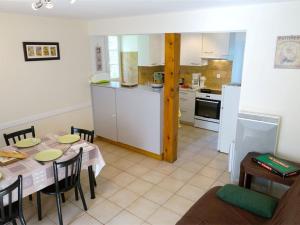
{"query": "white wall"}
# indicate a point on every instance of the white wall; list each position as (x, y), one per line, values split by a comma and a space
(264, 89)
(129, 43)
(32, 91)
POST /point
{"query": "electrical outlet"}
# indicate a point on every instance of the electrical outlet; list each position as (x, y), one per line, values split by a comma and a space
(218, 75)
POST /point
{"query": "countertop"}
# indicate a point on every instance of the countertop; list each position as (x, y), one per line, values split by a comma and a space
(115, 84)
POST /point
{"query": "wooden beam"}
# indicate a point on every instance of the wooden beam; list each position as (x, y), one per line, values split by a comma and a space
(171, 95)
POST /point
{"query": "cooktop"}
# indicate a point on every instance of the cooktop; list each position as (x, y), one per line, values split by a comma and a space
(210, 91)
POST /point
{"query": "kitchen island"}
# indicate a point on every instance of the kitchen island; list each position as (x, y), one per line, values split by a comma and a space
(130, 117)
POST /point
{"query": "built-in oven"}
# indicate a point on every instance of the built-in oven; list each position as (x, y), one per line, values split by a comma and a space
(207, 111)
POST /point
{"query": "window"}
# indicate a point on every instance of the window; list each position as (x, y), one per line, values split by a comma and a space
(114, 61)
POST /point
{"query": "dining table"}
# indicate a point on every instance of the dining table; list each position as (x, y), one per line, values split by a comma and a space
(38, 175)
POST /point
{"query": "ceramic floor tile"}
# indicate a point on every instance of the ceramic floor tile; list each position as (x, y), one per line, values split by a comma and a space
(166, 168)
(69, 212)
(225, 178)
(201, 159)
(218, 164)
(192, 166)
(178, 204)
(150, 163)
(182, 174)
(137, 170)
(123, 179)
(123, 164)
(107, 189)
(158, 195)
(109, 172)
(85, 219)
(171, 184)
(104, 211)
(211, 172)
(163, 216)
(191, 192)
(143, 208)
(136, 158)
(140, 186)
(202, 181)
(124, 198)
(153, 177)
(125, 218)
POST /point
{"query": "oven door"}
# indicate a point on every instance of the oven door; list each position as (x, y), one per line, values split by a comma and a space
(207, 109)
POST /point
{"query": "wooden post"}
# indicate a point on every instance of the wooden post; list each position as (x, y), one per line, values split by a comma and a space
(171, 95)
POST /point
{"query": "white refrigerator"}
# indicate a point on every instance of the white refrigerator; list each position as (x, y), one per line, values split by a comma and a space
(228, 116)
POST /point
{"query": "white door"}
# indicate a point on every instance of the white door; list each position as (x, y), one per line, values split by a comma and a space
(104, 112)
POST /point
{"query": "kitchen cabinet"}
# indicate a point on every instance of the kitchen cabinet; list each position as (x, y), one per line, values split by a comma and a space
(104, 112)
(215, 45)
(151, 50)
(139, 119)
(190, 49)
(187, 105)
(132, 116)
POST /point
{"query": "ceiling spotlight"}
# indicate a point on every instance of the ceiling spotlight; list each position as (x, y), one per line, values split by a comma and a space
(48, 4)
(37, 5)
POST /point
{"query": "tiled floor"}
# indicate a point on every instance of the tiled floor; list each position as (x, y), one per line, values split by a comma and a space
(134, 190)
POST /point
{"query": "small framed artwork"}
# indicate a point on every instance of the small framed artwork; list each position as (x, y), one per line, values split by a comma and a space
(38, 51)
(288, 52)
(98, 51)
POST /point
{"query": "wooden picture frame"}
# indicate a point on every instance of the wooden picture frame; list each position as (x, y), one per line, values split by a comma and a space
(39, 51)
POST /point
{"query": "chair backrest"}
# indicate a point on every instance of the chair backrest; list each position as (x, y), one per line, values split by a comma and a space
(18, 135)
(71, 175)
(288, 209)
(85, 134)
(6, 212)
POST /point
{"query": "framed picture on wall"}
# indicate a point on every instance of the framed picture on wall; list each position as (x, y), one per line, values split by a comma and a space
(38, 51)
(288, 52)
(99, 66)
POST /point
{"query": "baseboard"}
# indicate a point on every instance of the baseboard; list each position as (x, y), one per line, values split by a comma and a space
(132, 148)
(41, 116)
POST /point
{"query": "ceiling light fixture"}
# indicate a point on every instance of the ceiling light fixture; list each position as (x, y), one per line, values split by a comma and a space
(37, 4)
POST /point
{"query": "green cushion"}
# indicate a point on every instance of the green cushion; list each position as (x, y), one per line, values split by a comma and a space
(255, 202)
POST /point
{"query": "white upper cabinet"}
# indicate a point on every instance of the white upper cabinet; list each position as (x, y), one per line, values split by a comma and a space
(215, 45)
(151, 50)
(190, 50)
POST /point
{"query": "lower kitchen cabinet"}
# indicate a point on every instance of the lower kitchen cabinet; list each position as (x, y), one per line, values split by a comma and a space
(104, 112)
(139, 119)
(132, 116)
(187, 106)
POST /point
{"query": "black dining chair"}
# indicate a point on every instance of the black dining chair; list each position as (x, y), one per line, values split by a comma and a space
(12, 210)
(86, 135)
(71, 179)
(18, 135)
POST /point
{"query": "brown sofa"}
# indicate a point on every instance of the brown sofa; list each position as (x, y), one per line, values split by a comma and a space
(210, 210)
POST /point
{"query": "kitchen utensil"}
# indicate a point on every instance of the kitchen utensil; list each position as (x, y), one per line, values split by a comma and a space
(48, 155)
(28, 142)
(68, 139)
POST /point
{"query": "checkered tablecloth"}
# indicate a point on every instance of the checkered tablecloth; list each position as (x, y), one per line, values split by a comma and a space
(37, 176)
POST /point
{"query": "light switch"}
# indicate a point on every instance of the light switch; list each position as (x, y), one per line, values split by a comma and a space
(218, 75)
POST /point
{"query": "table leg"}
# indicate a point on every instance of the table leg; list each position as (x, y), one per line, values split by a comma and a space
(91, 180)
(248, 181)
(242, 177)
